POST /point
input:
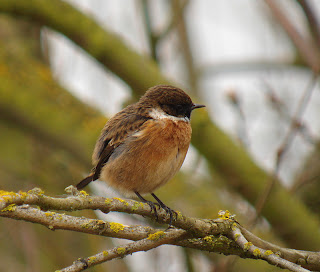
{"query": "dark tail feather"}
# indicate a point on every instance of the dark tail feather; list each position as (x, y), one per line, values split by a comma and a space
(83, 183)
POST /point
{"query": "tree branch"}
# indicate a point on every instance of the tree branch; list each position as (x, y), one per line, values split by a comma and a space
(152, 241)
(223, 235)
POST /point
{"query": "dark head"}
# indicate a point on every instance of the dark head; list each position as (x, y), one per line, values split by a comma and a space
(172, 100)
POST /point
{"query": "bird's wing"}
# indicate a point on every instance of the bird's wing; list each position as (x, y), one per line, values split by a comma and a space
(116, 130)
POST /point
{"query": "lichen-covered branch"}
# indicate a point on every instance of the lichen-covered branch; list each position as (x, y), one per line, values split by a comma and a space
(268, 255)
(223, 235)
(152, 241)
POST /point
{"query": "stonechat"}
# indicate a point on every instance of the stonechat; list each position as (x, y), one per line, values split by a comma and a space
(144, 145)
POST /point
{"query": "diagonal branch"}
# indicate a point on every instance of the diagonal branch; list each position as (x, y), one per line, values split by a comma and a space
(152, 241)
(268, 255)
(308, 50)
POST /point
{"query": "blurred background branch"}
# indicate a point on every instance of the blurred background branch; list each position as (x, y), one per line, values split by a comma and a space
(64, 65)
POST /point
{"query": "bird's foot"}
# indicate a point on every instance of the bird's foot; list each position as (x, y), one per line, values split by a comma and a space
(167, 209)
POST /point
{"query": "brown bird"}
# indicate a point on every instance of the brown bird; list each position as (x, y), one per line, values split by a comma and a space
(144, 145)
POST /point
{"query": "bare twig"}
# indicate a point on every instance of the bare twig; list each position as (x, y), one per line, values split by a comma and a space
(288, 139)
(242, 131)
(313, 21)
(308, 51)
(282, 110)
(192, 76)
(152, 37)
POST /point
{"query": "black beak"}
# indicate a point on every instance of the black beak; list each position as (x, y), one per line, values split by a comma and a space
(197, 106)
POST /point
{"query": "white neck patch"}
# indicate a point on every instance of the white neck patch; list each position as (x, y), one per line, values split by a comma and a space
(160, 114)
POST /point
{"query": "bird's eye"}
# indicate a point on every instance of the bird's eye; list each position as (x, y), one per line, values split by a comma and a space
(179, 109)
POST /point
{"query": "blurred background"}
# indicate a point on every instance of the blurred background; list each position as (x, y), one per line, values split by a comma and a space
(66, 66)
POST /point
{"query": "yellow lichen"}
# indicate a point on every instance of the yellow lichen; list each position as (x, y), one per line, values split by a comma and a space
(236, 236)
(156, 236)
(7, 196)
(105, 253)
(23, 195)
(2, 193)
(83, 193)
(122, 201)
(49, 214)
(136, 206)
(247, 245)
(108, 201)
(256, 252)
(121, 250)
(234, 226)
(85, 225)
(268, 252)
(116, 227)
(91, 259)
(225, 215)
(10, 208)
(208, 239)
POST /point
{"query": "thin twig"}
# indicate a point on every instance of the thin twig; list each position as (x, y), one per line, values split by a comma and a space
(288, 139)
(268, 255)
(313, 21)
(242, 130)
(282, 110)
(152, 241)
(309, 52)
(184, 45)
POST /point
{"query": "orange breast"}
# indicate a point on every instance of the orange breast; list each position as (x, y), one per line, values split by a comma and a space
(149, 158)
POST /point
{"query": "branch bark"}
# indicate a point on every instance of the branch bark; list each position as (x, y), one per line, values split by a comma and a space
(223, 235)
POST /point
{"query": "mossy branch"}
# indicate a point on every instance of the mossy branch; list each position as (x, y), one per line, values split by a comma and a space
(223, 235)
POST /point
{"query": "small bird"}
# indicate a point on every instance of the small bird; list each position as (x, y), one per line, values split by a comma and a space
(143, 146)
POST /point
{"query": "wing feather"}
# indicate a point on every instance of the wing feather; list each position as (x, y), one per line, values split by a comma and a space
(116, 130)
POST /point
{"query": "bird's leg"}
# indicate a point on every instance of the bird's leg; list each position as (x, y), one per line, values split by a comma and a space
(166, 208)
(150, 203)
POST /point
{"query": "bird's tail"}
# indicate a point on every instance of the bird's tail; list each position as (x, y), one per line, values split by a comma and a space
(83, 183)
